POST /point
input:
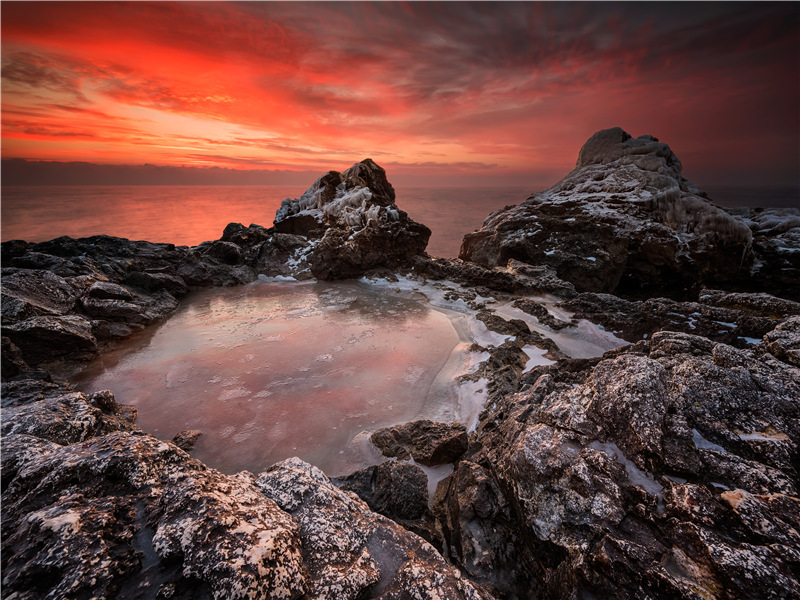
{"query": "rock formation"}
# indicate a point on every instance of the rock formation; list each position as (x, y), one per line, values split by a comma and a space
(352, 223)
(668, 468)
(625, 220)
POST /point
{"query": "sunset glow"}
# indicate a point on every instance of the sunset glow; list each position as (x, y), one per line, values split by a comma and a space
(449, 90)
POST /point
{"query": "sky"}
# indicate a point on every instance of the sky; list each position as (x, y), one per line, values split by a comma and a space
(434, 92)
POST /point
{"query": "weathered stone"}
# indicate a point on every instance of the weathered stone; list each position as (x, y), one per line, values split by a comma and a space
(624, 219)
(185, 440)
(350, 551)
(354, 224)
(28, 293)
(428, 442)
(395, 490)
(141, 517)
(109, 291)
(152, 282)
(47, 338)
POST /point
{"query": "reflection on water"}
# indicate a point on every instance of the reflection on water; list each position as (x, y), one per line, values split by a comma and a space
(280, 369)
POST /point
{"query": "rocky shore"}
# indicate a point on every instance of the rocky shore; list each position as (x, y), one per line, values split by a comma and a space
(667, 468)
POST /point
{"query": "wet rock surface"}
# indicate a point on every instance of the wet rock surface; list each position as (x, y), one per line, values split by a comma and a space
(668, 468)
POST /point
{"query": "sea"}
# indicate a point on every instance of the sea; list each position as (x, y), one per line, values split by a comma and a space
(189, 215)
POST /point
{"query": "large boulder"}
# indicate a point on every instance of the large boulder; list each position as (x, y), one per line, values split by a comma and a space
(353, 224)
(625, 219)
(351, 552)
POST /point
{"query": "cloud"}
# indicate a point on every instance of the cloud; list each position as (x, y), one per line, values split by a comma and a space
(481, 85)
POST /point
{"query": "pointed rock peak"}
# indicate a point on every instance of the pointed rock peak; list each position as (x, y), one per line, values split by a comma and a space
(368, 173)
(646, 152)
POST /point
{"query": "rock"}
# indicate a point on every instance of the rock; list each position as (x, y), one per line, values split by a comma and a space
(623, 220)
(12, 363)
(153, 282)
(27, 293)
(626, 484)
(106, 290)
(350, 551)
(776, 248)
(783, 342)
(185, 440)
(105, 401)
(395, 490)
(428, 442)
(141, 517)
(136, 310)
(46, 338)
(63, 420)
(353, 224)
(226, 252)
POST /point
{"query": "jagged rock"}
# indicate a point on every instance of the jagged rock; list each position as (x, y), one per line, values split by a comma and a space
(783, 342)
(478, 526)
(135, 310)
(12, 362)
(152, 282)
(776, 247)
(62, 420)
(28, 293)
(22, 391)
(226, 252)
(629, 481)
(395, 490)
(516, 277)
(736, 319)
(106, 290)
(625, 219)
(47, 338)
(350, 551)
(428, 442)
(140, 517)
(354, 224)
(185, 440)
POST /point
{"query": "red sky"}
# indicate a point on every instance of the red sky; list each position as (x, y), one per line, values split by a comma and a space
(461, 91)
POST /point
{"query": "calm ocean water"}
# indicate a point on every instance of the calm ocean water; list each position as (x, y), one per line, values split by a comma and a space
(188, 215)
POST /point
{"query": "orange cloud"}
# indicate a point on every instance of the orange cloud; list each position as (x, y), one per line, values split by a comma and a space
(516, 86)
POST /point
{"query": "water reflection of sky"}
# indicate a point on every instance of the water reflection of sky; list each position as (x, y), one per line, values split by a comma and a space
(269, 371)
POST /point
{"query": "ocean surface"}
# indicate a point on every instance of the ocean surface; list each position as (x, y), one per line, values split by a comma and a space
(188, 215)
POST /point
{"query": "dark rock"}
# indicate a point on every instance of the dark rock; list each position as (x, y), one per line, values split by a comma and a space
(12, 362)
(428, 442)
(353, 223)
(63, 420)
(106, 290)
(618, 483)
(152, 282)
(625, 219)
(46, 338)
(226, 252)
(27, 293)
(477, 523)
(776, 247)
(395, 490)
(185, 440)
(105, 401)
(24, 390)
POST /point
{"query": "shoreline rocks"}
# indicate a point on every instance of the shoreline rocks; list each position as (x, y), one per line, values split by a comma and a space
(624, 220)
(664, 469)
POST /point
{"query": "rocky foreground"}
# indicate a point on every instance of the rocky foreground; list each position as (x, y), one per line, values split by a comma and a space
(668, 468)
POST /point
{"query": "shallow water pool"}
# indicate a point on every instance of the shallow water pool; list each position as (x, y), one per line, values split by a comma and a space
(278, 369)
